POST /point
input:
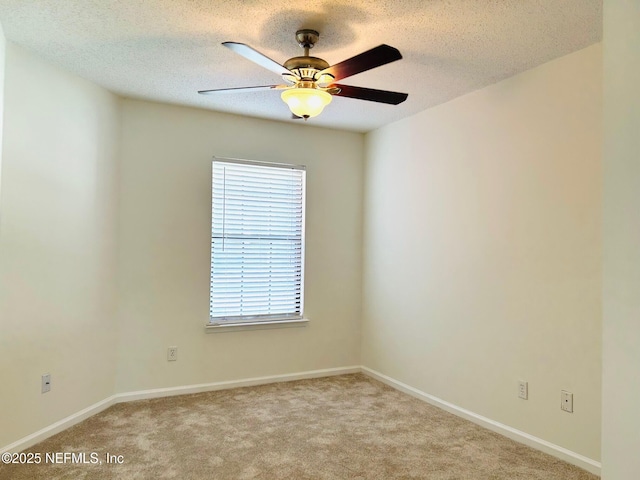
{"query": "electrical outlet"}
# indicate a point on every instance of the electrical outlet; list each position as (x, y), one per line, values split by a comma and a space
(172, 354)
(46, 383)
(523, 389)
(566, 401)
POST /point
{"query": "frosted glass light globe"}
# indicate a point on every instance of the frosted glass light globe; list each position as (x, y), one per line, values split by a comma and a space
(306, 102)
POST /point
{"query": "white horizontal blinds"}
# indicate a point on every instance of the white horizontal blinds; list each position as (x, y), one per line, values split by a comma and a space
(256, 242)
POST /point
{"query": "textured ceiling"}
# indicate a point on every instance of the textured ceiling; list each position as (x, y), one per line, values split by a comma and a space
(166, 50)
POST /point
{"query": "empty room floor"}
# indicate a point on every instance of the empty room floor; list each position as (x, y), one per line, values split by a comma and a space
(341, 427)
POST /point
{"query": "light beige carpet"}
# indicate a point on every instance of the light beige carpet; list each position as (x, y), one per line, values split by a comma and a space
(343, 427)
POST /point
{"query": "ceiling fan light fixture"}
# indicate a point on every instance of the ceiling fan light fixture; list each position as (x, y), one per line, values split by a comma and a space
(310, 81)
(306, 102)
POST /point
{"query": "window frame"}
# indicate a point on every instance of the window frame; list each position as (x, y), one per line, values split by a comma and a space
(241, 322)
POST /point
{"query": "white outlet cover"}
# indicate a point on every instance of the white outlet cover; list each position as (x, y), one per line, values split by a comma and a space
(566, 401)
(523, 389)
(46, 383)
(172, 354)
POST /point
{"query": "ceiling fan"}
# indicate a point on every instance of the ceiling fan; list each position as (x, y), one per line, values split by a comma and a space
(310, 81)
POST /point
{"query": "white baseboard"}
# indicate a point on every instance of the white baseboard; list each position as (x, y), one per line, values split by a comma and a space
(509, 432)
(46, 432)
(247, 382)
(77, 417)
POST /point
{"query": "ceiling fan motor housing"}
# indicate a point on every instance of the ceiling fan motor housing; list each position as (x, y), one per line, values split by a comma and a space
(306, 67)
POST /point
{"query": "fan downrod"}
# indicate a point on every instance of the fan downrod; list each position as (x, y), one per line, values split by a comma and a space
(306, 66)
(307, 38)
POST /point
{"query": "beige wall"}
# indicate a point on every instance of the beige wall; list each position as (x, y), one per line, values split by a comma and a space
(482, 261)
(164, 247)
(56, 244)
(3, 44)
(621, 292)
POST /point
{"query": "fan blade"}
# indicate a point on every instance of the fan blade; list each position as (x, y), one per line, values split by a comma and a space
(370, 94)
(240, 89)
(250, 54)
(373, 58)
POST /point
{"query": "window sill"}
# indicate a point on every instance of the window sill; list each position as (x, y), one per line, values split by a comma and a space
(240, 326)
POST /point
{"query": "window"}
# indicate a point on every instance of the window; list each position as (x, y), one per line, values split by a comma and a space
(257, 242)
